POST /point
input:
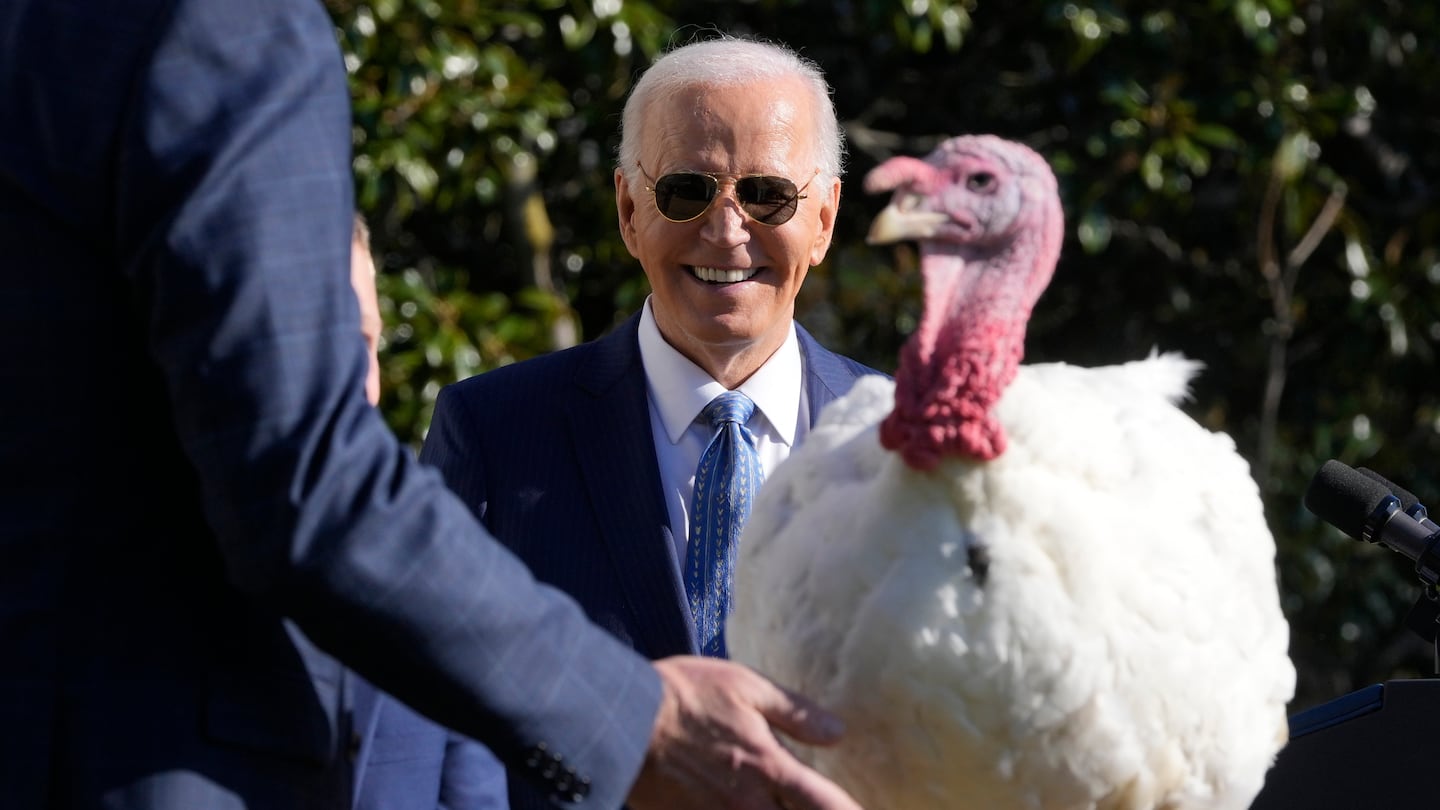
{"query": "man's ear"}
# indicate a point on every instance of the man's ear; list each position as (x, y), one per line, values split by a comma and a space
(625, 209)
(829, 209)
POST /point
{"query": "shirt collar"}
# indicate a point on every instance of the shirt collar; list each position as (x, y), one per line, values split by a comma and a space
(680, 389)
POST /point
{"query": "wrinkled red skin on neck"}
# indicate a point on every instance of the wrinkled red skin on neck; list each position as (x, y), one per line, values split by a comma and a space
(944, 402)
(965, 353)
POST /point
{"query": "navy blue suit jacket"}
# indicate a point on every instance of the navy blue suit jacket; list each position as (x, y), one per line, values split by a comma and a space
(188, 461)
(557, 457)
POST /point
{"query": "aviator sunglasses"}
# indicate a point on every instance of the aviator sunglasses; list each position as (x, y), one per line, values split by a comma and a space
(684, 196)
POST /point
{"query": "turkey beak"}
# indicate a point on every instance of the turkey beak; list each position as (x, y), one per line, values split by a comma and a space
(898, 222)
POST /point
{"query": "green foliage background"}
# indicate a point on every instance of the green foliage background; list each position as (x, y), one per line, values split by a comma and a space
(1250, 182)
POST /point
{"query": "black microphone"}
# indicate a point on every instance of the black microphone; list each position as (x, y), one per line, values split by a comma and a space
(1408, 501)
(1367, 510)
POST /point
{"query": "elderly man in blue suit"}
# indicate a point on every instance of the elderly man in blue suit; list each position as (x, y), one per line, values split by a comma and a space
(198, 506)
(584, 461)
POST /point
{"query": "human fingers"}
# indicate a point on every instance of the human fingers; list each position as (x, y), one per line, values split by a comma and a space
(798, 787)
(796, 715)
(713, 745)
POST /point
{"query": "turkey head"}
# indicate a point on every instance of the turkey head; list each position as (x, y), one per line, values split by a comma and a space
(987, 217)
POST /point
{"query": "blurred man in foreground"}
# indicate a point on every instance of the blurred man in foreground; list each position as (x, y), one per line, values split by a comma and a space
(189, 459)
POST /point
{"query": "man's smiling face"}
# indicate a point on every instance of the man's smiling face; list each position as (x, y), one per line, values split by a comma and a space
(764, 128)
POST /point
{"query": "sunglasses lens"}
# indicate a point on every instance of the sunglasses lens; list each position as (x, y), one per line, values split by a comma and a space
(770, 200)
(684, 196)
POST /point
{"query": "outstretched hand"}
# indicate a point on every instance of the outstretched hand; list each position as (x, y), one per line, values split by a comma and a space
(714, 743)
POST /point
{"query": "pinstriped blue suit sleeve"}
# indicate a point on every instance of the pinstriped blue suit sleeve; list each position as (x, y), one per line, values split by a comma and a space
(197, 178)
(254, 326)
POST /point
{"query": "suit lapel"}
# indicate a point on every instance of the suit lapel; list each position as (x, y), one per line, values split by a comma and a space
(827, 375)
(610, 426)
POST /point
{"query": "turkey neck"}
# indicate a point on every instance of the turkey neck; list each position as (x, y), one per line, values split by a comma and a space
(966, 351)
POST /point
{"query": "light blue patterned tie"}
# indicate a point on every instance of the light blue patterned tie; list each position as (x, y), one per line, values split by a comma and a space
(725, 484)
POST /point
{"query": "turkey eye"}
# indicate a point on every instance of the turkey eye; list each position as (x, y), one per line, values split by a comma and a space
(980, 181)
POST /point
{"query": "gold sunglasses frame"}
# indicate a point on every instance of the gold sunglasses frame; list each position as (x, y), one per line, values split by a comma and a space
(735, 178)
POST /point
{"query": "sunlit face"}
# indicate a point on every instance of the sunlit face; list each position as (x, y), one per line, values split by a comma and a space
(729, 328)
(362, 278)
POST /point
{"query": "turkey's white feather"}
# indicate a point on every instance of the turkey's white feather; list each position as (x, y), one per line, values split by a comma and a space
(1124, 647)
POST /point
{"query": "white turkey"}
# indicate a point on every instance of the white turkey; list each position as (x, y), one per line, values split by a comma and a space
(1037, 586)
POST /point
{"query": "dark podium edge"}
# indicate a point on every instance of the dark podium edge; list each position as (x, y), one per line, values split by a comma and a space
(1371, 749)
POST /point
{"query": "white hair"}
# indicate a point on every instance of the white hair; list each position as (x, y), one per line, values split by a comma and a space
(727, 61)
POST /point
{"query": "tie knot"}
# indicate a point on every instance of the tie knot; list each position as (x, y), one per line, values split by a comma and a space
(731, 406)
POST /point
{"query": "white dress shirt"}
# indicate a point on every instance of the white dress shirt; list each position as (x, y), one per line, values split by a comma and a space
(679, 390)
